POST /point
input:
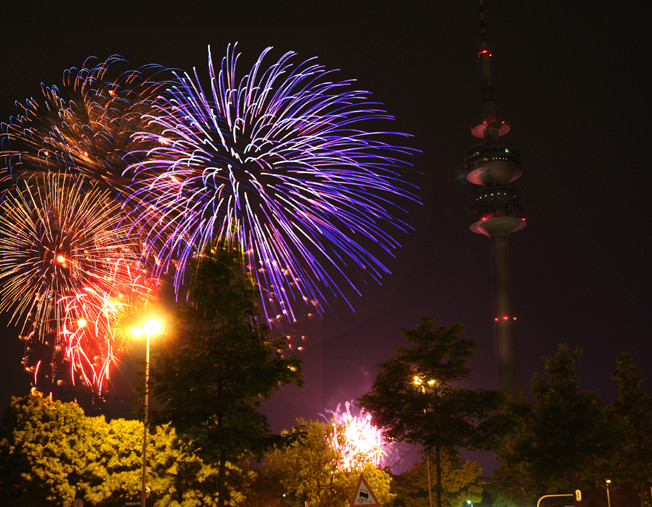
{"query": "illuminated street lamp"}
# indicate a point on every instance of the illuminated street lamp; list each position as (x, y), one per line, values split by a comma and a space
(151, 327)
(607, 482)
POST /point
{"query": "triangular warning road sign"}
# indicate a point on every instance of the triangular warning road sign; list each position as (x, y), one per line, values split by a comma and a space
(364, 495)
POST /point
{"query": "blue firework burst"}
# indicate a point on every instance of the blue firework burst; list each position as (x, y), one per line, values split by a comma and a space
(283, 160)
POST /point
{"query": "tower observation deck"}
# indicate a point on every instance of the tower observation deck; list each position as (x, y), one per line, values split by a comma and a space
(496, 207)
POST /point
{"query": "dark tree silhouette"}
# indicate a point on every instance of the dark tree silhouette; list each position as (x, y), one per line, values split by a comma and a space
(219, 365)
(416, 396)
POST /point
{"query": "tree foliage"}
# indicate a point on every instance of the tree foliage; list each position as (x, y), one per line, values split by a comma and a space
(43, 451)
(558, 439)
(416, 396)
(460, 482)
(51, 453)
(309, 470)
(630, 419)
(219, 365)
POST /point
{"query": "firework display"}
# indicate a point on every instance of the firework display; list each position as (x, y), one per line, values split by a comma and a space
(58, 239)
(114, 170)
(65, 246)
(278, 158)
(55, 238)
(85, 125)
(93, 326)
(356, 439)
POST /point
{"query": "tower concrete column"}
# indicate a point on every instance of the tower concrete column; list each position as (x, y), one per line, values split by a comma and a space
(507, 353)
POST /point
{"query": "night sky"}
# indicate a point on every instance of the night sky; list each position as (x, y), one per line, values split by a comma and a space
(572, 78)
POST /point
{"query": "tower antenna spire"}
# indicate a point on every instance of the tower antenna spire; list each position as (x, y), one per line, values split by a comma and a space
(496, 206)
(490, 127)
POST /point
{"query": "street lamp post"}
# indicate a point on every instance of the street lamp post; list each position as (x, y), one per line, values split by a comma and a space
(418, 381)
(607, 482)
(151, 327)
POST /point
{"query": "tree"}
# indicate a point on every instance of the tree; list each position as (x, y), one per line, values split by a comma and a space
(51, 453)
(415, 396)
(113, 461)
(557, 440)
(460, 481)
(213, 374)
(309, 470)
(43, 451)
(180, 478)
(630, 419)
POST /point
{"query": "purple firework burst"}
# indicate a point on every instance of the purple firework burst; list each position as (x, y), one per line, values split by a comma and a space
(282, 160)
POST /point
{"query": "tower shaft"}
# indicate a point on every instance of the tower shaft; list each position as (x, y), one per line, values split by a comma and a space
(509, 366)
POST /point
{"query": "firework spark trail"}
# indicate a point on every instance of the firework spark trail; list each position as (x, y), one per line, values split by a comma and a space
(281, 161)
(92, 328)
(55, 239)
(356, 438)
(85, 125)
(60, 235)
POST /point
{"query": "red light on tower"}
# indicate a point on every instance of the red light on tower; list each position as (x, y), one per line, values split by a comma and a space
(505, 318)
(484, 52)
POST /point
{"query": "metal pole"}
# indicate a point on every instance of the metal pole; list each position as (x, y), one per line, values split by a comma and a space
(608, 497)
(429, 488)
(552, 496)
(143, 492)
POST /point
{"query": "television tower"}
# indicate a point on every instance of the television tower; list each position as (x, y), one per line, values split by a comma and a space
(497, 210)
